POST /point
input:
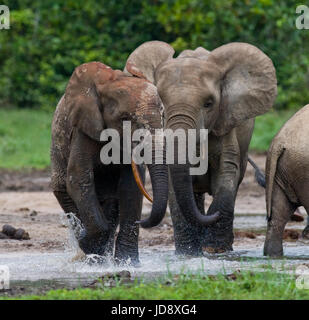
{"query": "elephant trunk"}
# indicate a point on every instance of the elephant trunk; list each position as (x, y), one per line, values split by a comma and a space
(182, 180)
(158, 170)
(182, 185)
(159, 179)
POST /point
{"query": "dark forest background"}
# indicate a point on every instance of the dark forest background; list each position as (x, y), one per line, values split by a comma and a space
(49, 38)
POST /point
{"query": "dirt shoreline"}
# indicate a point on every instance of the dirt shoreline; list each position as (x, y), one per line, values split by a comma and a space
(27, 202)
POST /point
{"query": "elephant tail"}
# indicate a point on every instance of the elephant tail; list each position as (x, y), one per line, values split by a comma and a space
(259, 175)
(274, 153)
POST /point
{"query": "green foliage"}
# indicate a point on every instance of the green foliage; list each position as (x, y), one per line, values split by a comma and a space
(266, 127)
(244, 285)
(49, 38)
(24, 138)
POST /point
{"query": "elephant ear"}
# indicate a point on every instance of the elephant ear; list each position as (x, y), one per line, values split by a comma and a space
(248, 84)
(82, 100)
(198, 53)
(145, 59)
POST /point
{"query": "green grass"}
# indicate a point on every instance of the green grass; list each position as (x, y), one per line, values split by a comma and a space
(248, 285)
(266, 127)
(24, 138)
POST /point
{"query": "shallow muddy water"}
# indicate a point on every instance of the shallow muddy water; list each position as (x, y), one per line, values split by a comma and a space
(37, 272)
(49, 259)
(154, 262)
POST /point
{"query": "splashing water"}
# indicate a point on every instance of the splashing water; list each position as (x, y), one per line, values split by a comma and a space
(75, 228)
(74, 266)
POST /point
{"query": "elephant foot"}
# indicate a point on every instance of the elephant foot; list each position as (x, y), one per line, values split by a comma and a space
(126, 255)
(273, 242)
(219, 246)
(189, 251)
(127, 262)
(273, 249)
(96, 260)
(213, 250)
(187, 240)
(219, 237)
(184, 247)
(216, 241)
(93, 244)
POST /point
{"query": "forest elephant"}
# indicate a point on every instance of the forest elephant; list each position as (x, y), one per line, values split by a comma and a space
(222, 91)
(287, 178)
(105, 195)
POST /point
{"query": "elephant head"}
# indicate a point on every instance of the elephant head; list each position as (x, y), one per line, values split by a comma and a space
(215, 90)
(98, 97)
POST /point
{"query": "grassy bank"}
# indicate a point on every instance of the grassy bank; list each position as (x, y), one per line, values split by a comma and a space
(266, 127)
(24, 139)
(243, 285)
(25, 136)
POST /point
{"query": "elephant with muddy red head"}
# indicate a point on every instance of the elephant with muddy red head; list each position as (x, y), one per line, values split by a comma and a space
(223, 91)
(102, 195)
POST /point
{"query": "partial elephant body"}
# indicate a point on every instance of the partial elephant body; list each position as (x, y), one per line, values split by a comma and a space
(104, 196)
(222, 91)
(287, 178)
(227, 166)
(217, 149)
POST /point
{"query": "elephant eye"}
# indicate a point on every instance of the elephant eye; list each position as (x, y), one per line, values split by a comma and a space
(209, 103)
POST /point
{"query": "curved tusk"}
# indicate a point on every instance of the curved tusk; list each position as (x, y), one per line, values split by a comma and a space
(139, 182)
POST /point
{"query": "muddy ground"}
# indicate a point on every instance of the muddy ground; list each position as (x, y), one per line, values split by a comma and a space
(27, 202)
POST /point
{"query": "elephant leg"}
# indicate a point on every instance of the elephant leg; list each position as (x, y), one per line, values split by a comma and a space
(81, 188)
(94, 238)
(130, 209)
(58, 184)
(110, 208)
(106, 184)
(281, 212)
(66, 202)
(219, 237)
(187, 237)
(68, 206)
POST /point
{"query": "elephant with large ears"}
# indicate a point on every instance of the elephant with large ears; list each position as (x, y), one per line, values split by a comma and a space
(222, 91)
(103, 196)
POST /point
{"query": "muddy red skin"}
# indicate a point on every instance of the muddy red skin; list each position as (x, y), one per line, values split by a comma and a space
(103, 196)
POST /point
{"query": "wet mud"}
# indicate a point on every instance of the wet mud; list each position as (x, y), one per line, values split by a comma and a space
(48, 260)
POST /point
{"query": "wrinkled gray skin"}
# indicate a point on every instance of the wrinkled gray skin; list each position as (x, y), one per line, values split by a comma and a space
(223, 91)
(287, 178)
(103, 196)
